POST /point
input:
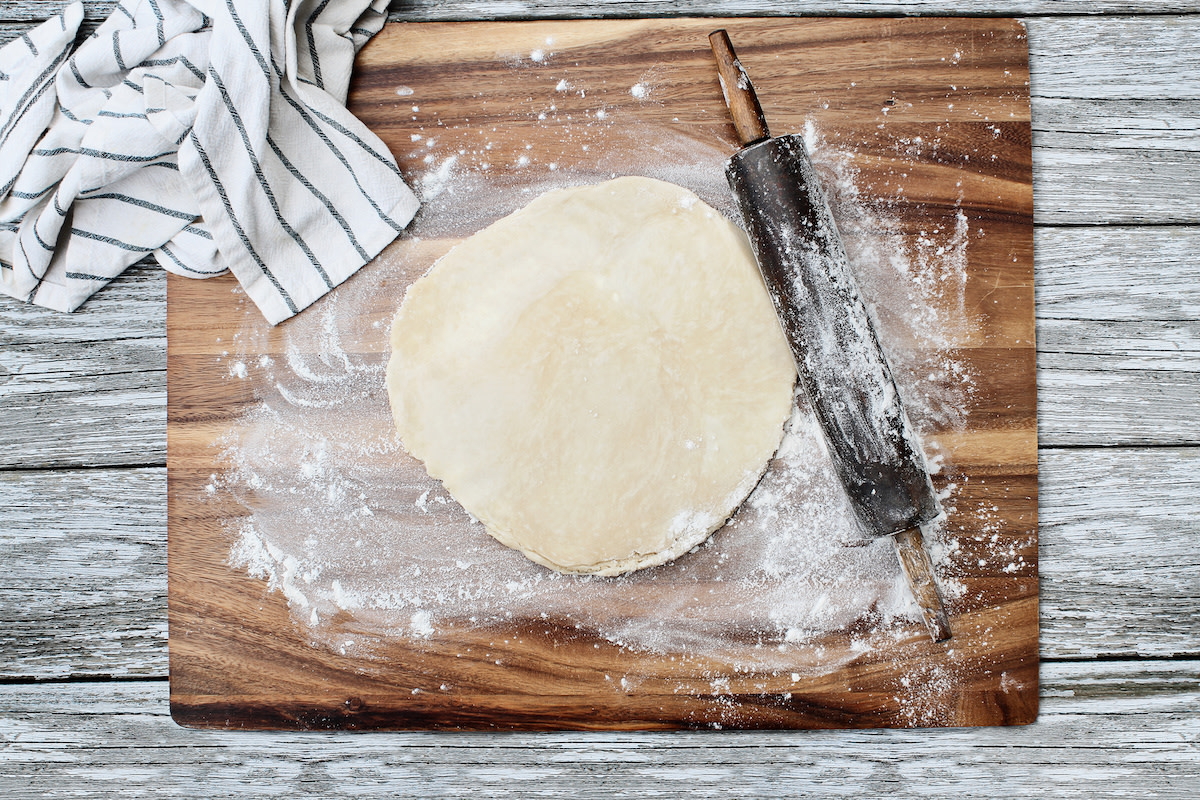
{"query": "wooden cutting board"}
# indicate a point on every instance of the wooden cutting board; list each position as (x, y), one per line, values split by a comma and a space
(922, 122)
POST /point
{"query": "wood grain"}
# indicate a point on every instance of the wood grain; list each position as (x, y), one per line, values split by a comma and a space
(744, 109)
(83, 586)
(1120, 726)
(237, 659)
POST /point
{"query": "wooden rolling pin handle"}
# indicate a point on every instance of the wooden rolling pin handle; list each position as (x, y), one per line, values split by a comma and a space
(914, 560)
(739, 94)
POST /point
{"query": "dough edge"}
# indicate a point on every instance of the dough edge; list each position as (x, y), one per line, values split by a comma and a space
(683, 543)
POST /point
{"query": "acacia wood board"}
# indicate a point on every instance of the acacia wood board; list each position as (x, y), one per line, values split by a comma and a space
(931, 117)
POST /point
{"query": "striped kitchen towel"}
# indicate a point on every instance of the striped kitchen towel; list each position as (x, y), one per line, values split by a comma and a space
(214, 137)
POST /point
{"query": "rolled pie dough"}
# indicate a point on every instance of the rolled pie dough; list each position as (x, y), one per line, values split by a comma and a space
(599, 378)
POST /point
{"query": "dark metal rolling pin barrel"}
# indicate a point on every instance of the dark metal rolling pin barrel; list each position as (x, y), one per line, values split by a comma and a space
(842, 368)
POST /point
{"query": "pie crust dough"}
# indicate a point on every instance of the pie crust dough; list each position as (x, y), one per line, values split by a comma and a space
(599, 378)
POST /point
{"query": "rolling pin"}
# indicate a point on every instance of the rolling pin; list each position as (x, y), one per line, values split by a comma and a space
(841, 366)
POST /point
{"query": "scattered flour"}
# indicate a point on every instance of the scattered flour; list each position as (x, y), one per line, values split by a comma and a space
(341, 521)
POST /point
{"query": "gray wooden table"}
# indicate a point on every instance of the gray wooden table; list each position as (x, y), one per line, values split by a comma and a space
(1116, 118)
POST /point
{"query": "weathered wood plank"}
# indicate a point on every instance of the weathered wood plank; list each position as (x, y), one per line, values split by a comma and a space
(1079, 185)
(83, 581)
(1119, 552)
(1115, 58)
(1118, 336)
(83, 575)
(1117, 124)
(131, 307)
(26, 12)
(78, 372)
(87, 388)
(1112, 383)
(1089, 151)
(1116, 384)
(84, 404)
(1125, 728)
(1123, 275)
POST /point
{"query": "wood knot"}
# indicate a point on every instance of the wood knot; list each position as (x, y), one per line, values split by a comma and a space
(355, 704)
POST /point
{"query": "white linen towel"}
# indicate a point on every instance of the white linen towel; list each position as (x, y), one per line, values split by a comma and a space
(212, 136)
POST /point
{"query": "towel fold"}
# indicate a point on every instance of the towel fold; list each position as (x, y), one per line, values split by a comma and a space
(214, 137)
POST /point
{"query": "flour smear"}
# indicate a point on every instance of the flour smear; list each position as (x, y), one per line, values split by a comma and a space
(345, 524)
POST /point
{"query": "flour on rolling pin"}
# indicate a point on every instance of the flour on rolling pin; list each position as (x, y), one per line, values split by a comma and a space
(341, 520)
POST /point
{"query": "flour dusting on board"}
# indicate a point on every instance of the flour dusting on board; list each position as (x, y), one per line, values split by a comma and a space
(345, 524)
